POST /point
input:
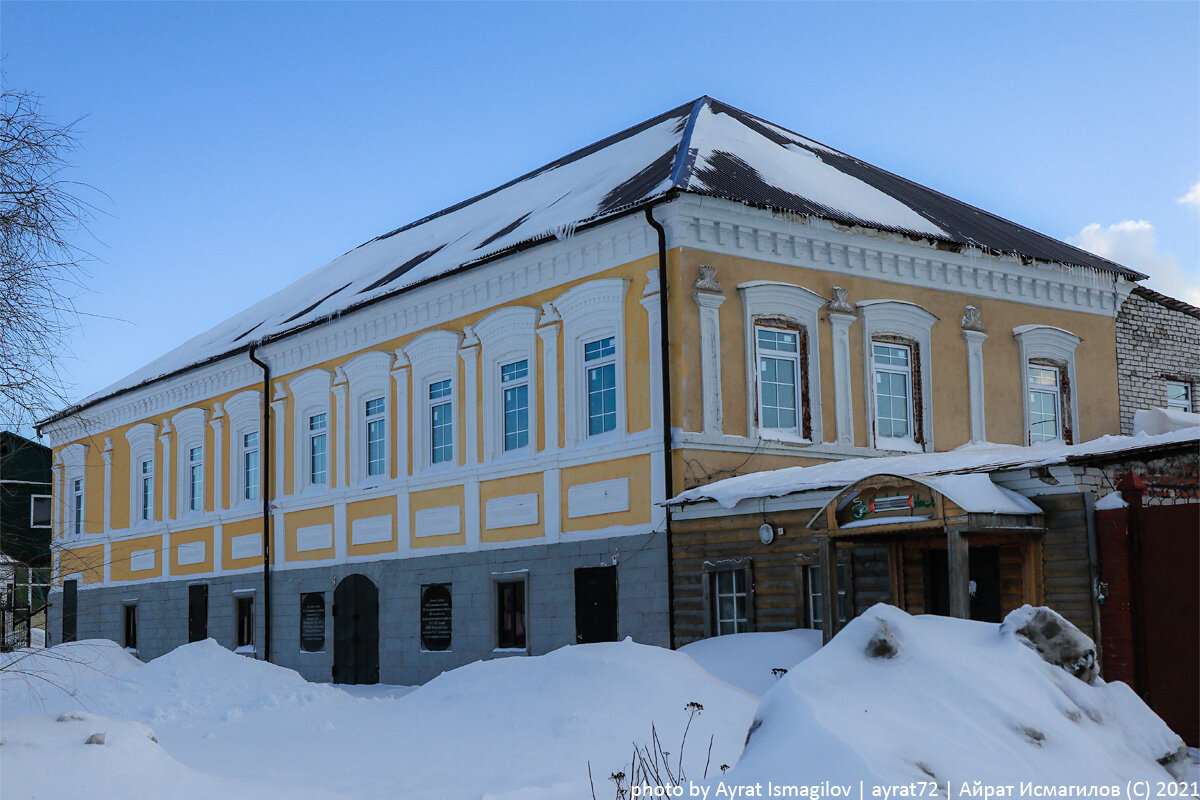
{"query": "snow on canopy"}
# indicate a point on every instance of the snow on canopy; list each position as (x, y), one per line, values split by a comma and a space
(705, 147)
(972, 457)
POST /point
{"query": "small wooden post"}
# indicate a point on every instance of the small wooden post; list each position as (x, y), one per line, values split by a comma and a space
(959, 564)
(829, 588)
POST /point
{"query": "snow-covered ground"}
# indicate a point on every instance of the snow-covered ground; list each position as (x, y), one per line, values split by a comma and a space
(957, 701)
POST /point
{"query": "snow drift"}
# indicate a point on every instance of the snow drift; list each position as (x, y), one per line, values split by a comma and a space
(895, 699)
(754, 661)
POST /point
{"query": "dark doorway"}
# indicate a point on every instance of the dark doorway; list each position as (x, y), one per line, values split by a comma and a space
(984, 571)
(70, 610)
(356, 631)
(595, 604)
(198, 612)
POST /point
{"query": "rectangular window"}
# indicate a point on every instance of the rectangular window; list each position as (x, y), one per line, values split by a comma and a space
(39, 511)
(376, 436)
(250, 466)
(146, 490)
(816, 601)
(1179, 395)
(77, 506)
(730, 602)
(600, 359)
(131, 627)
(441, 423)
(318, 449)
(244, 608)
(778, 373)
(196, 479)
(893, 390)
(1044, 404)
(510, 611)
(514, 383)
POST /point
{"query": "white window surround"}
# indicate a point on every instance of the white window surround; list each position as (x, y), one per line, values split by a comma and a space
(370, 377)
(1058, 347)
(909, 321)
(433, 357)
(312, 393)
(189, 426)
(795, 304)
(142, 439)
(590, 311)
(506, 335)
(74, 467)
(244, 411)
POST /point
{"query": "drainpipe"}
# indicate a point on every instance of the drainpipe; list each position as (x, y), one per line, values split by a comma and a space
(665, 360)
(264, 451)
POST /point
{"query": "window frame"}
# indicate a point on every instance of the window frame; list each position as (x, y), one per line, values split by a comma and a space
(1045, 345)
(513, 384)
(50, 509)
(501, 582)
(311, 435)
(370, 420)
(432, 403)
(195, 479)
(145, 491)
(1189, 403)
(596, 363)
(78, 497)
(911, 384)
(129, 625)
(249, 492)
(900, 322)
(1055, 391)
(800, 388)
(814, 589)
(741, 623)
(243, 624)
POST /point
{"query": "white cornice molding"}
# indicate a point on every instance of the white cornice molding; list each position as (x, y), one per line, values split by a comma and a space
(723, 226)
(548, 265)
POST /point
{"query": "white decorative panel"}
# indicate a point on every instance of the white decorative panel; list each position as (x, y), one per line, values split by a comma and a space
(601, 497)
(246, 546)
(141, 559)
(191, 553)
(438, 521)
(371, 529)
(314, 537)
(512, 511)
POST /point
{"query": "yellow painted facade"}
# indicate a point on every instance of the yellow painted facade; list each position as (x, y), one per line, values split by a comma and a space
(366, 509)
(636, 469)
(303, 519)
(121, 554)
(508, 487)
(200, 535)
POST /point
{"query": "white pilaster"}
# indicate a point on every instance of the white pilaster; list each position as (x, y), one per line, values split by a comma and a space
(548, 329)
(342, 432)
(278, 432)
(471, 512)
(973, 331)
(217, 422)
(165, 555)
(470, 398)
(552, 507)
(107, 455)
(843, 386)
(218, 541)
(650, 302)
(710, 359)
(164, 438)
(340, 531)
(400, 373)
(403, 533)
(58, 517)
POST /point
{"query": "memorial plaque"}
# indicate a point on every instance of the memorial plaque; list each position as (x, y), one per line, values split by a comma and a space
(312, 622)
(435, 617)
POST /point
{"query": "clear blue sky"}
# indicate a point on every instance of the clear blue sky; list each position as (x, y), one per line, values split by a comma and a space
(242, 144)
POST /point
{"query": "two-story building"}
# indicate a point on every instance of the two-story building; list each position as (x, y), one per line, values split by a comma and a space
(457, 439)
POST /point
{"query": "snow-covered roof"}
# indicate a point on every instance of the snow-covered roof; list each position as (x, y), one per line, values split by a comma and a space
(969, 458)
(704, 147)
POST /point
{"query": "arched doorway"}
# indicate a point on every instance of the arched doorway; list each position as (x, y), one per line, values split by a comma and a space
(356, 631)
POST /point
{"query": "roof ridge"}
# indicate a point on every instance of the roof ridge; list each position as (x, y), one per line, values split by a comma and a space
(685, 155)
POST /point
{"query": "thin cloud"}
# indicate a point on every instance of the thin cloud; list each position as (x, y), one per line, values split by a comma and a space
(1192, 197)
(1132, 243)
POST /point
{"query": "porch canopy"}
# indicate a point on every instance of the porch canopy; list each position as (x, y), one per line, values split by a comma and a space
(893, 508)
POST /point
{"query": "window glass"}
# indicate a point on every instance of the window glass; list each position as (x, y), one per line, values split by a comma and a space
(376, 436)
(39, 511)
(318, 449)
(514, 382)
(816, 600)
(77, 506)
(244, 621)
(730, 602)
(195, 478)
(600, 359)
(893, 390)
(131, 627)
(147, 490)
(441, 423)
(778, 369)
(1179, 395)
(510, 608)
(250, 466)
(1043, 403)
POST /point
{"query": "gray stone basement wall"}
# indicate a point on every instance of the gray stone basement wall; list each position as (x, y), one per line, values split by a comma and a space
(163, 606)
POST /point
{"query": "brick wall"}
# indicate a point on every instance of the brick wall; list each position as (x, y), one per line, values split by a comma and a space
(1158, 338)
